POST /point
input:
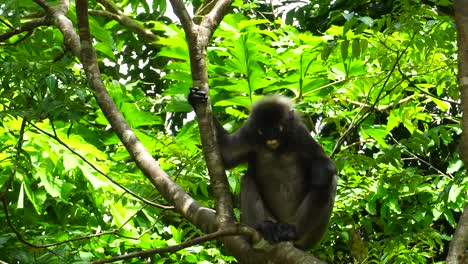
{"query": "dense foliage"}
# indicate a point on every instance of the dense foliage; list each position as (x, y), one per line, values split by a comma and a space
(380, 93)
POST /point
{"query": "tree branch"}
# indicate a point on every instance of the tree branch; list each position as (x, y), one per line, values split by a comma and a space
(28, 26)
(59, 18)
(181, 12)
(214, 17)
(198, 38)
(234, 230)
(114, 13)
(459, 244)
(461, 19)
(186, 205)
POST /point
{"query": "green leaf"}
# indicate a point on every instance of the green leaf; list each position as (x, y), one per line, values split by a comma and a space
(176, 52)
(101, 33)
(454, 193)
(444, 106)
(356, 48)
(344, 49)
(36, 198)
(408, 125)
(51, 82)
(454, 166)
(239, 86)
(436, 212)
(393, 204)
(137, 118)
(237, 100)
(21, 197)
(178, 103)
(371, 208)
(176, 235)
(178, 75)
(326, 52)
(449, 216)
(351, 21)
(52, 186)
(105, 49)
(366, 20)
(364, 44)
(95, 181)
(392, 121)
(379, 134)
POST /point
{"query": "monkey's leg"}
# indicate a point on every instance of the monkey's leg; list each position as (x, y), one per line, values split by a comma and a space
(254, 213)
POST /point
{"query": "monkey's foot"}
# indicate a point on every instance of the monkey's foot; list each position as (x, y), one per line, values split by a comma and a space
(277, 232)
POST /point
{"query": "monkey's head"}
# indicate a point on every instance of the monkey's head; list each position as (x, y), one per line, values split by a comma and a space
(271, 120)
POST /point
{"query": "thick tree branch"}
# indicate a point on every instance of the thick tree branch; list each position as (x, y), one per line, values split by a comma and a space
(183, 203)
(461, 19)
(189, 208)
(128, 23)
(59, 18)
(214, 17)
(198, 37)
(181, 12)
(459, 244)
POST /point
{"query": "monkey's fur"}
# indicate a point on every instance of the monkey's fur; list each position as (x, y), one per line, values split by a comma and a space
(289, 189)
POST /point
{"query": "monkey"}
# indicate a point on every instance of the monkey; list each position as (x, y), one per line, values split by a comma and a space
(288, 191)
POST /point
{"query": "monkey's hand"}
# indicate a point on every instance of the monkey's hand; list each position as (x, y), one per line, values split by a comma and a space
(196, 96)
(277, 232)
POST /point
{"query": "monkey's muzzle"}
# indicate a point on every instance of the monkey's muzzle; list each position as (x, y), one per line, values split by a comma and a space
(272, 144)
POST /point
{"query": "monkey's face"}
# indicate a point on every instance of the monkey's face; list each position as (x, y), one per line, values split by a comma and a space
(271, 121)
(271, 135)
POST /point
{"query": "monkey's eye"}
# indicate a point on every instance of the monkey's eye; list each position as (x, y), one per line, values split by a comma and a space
(260, 132)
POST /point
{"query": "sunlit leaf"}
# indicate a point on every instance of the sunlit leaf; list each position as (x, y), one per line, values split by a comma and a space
(454, 166)
(51, 185)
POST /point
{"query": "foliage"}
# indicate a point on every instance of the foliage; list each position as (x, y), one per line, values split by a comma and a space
(380, 93)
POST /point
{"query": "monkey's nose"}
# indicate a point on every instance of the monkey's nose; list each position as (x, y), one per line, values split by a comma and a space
(272, 143)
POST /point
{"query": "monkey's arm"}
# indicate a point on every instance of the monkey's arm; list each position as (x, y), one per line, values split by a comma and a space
(315, 210)
(234, 147)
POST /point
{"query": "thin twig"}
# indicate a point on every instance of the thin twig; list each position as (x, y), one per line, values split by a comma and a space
(56, 138)
(353, 125)
(231, 231)
(420, 159)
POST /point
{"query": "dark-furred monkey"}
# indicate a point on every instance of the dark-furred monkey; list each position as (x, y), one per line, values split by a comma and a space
(289, 189)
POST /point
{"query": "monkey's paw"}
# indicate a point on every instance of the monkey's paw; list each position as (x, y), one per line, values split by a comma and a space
(196, 95)
(277, 232)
